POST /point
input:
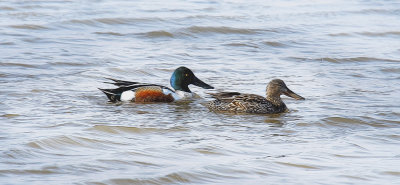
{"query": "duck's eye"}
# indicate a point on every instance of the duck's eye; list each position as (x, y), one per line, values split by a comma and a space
(186, 75)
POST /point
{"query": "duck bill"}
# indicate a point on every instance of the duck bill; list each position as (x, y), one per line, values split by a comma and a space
(293, 95)
(199, 83)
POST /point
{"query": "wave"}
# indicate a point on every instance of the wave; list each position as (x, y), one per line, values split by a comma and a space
(9, 115)
(151, 34)
(180, 177)
(135, 130)
(111, 21)
(212, 17)
(255, 45)
(340, 34)
(343, 60)
(72, 63)
(110, 33)
(275, 44)
(379, 34)
(7, 43)
(7, 8)
(9, 64)
(193, 31)
(387, 11)
(29, 171)
(391, 70)
(242, 45)
(221, 29)
(369, 34)
(394, 173)
(29, 27)
(351, 122)
(156, 34)
(172, 178)
(62, 142)
(301, 166)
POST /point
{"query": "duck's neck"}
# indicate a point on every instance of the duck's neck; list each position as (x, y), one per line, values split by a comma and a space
(274, 98)
(178, 84)
(183, 88)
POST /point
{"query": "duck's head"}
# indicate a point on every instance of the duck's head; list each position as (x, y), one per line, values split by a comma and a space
(277, 87)
(183, 77)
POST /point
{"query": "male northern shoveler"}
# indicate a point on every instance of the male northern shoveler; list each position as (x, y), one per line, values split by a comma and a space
(250, 103)
(145, 92)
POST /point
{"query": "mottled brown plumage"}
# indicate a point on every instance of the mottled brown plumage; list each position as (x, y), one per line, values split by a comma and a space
(250, 103)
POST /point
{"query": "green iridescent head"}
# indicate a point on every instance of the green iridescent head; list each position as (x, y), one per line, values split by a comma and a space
(183, 77)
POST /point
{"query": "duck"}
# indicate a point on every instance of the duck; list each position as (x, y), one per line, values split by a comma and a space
(180, 80)
(235, 102)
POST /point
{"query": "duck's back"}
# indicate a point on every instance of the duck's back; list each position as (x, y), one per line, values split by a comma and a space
(243, 103)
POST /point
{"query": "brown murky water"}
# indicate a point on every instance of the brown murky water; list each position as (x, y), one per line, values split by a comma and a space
(57, 128)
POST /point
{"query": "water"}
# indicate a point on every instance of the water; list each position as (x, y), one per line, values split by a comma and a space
(57, 128)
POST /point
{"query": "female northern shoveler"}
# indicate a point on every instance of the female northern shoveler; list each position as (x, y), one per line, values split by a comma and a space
(250, 103)
(144, 92)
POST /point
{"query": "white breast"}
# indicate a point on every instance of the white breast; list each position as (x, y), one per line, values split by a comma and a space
(184, 95)
(178, 95)
(127, 95)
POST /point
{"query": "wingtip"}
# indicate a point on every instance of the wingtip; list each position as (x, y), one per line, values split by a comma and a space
(112, 79)
(110, 95)
(120, 83)
(106, 91)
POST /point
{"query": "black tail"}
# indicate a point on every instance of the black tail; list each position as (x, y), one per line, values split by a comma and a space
(121, 83)
(112, 95)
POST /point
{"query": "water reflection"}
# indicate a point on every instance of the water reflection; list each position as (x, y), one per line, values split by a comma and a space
(274, 120)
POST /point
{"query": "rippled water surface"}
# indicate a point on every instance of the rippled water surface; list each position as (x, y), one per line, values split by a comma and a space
(57, 127)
